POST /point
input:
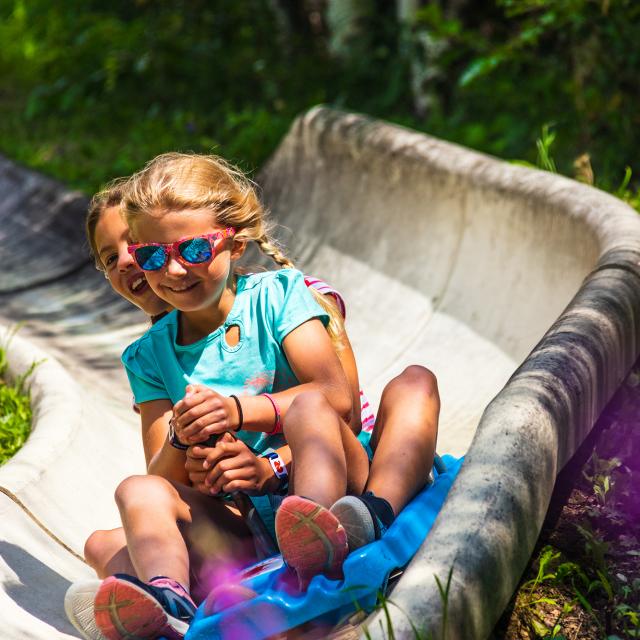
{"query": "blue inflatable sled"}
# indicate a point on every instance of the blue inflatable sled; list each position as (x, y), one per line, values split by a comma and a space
(278, 606)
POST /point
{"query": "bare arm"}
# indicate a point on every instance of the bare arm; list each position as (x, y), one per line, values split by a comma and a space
(348, 362)
(162, 459)
(314, 363)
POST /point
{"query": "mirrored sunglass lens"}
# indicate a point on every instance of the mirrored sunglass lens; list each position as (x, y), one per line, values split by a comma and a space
(151, 258)
(195, 250)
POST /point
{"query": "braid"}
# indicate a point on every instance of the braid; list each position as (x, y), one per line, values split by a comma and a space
(270, 249)
(335, 328)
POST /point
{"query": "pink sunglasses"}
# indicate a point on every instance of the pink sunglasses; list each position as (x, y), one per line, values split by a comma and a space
(151, 256)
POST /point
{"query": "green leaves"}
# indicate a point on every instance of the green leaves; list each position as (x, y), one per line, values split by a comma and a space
(15, 411)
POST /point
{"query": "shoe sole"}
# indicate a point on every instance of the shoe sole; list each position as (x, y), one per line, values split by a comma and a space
(311, 539)
(124, 611)
(78, 605)
(356, 520)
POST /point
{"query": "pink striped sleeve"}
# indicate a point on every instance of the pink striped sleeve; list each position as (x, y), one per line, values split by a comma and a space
(325, 289)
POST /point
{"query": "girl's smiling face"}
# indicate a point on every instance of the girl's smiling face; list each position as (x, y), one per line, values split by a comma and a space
(126, 278)
(189, 288)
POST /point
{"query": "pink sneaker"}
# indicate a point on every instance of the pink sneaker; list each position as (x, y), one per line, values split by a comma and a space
(311, 539)
(126, 608)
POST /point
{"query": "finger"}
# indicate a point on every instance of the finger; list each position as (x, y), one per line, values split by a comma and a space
(197, 404)
(225, 464)
(209, 424)
(188, 404)
(198, 479)
(221, 451)
(197, 395)
(203, 488)
(208, 408)
(197, 451)
(195, 465)
(227, 479)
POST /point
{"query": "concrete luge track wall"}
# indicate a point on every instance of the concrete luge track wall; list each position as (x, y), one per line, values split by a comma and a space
(501, 250)
(447, 258)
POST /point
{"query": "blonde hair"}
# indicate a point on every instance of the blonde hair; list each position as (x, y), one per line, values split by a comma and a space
(180, 181)
(110, 196)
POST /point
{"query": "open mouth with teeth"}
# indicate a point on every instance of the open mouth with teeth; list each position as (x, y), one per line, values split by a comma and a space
(138, 284)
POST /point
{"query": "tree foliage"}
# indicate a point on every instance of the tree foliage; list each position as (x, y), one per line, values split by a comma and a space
(92, 90)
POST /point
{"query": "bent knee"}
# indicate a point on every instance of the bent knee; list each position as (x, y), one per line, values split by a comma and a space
(96, 549)
(142, 489)
(417, 378)
(309, 410)
(309, 402)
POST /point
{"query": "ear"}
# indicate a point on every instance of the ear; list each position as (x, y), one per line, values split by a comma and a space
(238, 248)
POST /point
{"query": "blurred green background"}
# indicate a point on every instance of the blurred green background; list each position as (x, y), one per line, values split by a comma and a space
(92, 90)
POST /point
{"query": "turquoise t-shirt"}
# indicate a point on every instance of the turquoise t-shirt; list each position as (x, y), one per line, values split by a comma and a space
(267, 307)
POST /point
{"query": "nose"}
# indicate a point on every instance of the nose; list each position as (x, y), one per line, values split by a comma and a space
(125, 260)
(174, 268)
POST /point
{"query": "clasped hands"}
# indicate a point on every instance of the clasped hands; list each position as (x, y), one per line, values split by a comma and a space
(227, 466)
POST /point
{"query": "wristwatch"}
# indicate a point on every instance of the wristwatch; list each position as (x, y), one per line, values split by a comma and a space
(173, 438)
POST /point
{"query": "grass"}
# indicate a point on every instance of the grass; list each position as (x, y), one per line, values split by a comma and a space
(15, 410)
(584, 580)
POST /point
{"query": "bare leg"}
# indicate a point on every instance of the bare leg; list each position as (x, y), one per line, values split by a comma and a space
(159, 518)
(404, 438)
(106, 553)
(328, 459)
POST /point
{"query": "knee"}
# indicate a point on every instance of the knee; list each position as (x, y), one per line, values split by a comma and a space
(94, 549)
(141, 490)
(309, 409)
(418, 379)
(308, 403)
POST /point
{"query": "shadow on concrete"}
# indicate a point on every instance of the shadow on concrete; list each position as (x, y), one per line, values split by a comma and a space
(35, 579)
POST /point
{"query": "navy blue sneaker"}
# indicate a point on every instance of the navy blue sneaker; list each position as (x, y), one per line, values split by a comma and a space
(365, 518)
(126, 607)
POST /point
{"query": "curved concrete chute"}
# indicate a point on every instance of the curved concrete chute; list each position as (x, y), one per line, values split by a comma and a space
(518, 288)
(521, 260)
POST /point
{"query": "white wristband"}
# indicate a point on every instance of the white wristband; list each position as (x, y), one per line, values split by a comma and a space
(278, 465)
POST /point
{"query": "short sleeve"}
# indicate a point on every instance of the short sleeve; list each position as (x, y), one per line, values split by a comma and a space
(327, 290)
(143, 374)
(292, 303)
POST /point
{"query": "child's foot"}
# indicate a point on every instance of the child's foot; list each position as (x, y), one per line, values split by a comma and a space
(78, 605)
(126, 608)
(311, 539)
(365, 518)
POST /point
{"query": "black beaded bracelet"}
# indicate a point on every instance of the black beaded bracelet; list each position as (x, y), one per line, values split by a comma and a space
(240, 416)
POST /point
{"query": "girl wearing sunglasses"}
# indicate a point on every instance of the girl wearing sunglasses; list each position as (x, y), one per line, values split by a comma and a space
(290, 382)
